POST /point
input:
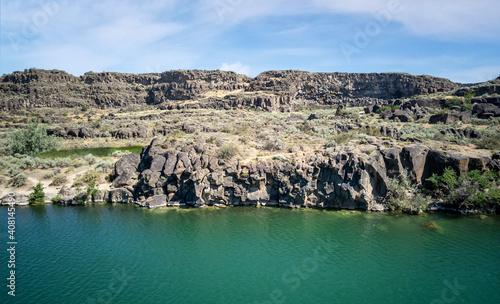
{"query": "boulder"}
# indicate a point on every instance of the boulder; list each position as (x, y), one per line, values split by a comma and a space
(402, 115)
(127, 164)
(386, 114)
(486, 110)
(156, 201)
(125, 179)
(121, 195)
(158, 163)
(444, 118)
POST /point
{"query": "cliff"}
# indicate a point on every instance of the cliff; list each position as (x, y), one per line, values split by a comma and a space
(353, 176)
(273, 90)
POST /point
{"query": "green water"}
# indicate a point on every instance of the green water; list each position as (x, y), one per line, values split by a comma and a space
(122, 254)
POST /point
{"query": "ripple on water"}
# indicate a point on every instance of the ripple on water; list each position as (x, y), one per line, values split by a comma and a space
(235, 255)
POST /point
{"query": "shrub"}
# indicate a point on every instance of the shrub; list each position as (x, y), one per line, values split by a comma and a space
(28, 163)
(89, 194)
(273, 145)
(465, 103)
(332, 143)
(120, 153)
(228, 151)
(382, 109)
(37, 196)
(62, 162)
(448, 181)
(59, 180)
(91, 159)
(212, 140)
(13, 170)
(51, 174)
(57, 199)
(84, 108)
(370, 130)
(279, 158)
(88, 177)
(31, 141)
(18, 180)
(104, 166)
(344, 137)
(489, 142)
(402, 195)
(226, 129)
(475, 189)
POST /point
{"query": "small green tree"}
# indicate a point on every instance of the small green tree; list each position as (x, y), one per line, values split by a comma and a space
(89, 194)
(37, 196)
(31, 141)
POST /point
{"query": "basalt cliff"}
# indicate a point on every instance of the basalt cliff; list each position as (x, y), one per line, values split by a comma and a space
(273, 90)
(353, 176)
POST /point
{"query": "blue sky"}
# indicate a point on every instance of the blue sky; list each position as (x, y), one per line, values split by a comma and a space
(456, 39)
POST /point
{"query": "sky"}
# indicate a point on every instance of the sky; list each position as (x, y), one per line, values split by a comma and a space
(455, 39)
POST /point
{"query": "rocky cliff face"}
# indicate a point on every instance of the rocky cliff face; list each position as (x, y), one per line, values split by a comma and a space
(354, 176)
(274, 90)
(331, 87)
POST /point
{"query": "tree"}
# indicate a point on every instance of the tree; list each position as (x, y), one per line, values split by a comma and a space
(31, 141)
(37, 196)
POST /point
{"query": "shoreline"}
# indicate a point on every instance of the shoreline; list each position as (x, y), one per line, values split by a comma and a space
(437, 207)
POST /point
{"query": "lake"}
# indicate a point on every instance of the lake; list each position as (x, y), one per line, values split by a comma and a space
(107, 253)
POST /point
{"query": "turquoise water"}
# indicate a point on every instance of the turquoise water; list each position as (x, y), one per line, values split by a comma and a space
(122, 254)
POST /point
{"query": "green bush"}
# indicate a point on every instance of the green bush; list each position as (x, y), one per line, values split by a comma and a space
(88, 177)
(228, 151)
(37, 196)
(51, 174)
(344, 137)
(58, 180)
(57, 199)
(465, 103)
(382, 109)
(370, 130)
(448, 181)
(31, 141)
(475, 189)
(89, 158)
(273, 145)
(89, 194)
(211, 140)
(18, 180)
(104, 166)
(403, 195)
(13, 170)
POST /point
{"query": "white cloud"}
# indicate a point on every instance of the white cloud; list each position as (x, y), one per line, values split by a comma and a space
(444, 19)
(473, 75)
(237, 67)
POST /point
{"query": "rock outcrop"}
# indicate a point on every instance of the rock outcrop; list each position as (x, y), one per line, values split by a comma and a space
(273, 90)
(347, 177)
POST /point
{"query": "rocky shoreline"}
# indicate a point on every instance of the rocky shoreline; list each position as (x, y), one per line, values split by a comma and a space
(352, 176)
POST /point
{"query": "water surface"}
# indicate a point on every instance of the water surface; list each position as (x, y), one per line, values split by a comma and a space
(123, 254)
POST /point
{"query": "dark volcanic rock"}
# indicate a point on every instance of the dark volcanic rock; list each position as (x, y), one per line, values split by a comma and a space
(444, 118)
(339, 177)
(486, 110)
(403, 116)
(273, 90)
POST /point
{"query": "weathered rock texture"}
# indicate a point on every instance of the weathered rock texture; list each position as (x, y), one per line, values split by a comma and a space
(274, 90)
(347, 177)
